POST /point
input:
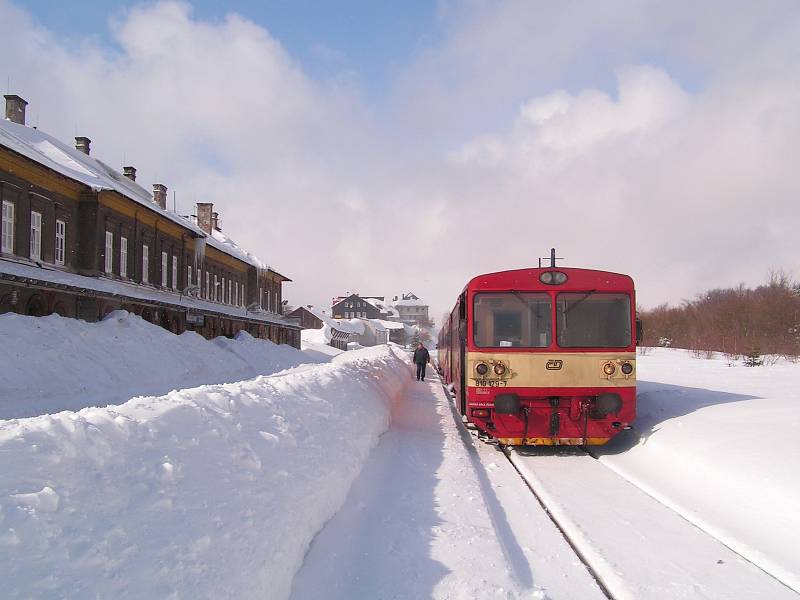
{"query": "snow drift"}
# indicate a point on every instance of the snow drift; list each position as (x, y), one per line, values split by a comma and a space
(717, 442)
(55, 363)
(213, 492)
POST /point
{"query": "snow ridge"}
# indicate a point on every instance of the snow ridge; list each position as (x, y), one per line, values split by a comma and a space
(54, 363)
(209, 492)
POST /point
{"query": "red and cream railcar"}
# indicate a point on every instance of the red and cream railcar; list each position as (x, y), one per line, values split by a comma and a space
(544, 356)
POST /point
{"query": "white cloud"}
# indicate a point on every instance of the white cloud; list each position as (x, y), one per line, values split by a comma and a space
(651, 138)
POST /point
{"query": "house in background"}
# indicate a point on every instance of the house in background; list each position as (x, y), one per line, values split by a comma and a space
(412, 310)
(339, 333)
(387, 310)
(306, 317)
(354, 306)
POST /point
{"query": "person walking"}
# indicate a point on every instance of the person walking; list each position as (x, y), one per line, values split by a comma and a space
(421, 358)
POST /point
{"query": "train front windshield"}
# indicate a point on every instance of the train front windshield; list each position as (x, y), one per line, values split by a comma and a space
(592, 320)
(512, 319)
(525, 320)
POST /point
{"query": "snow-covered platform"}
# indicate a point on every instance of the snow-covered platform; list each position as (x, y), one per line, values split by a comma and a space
(436, 514)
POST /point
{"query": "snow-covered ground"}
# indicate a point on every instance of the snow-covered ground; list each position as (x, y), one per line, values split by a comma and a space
(329, 480)
(212, 492)
(435, 514)
(472, 529)
(54, 363)
(719, 443)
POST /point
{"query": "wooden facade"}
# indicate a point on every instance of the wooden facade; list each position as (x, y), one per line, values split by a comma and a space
(83, 250)
(306, 318)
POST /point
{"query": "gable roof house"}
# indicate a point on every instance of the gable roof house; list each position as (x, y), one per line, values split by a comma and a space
(412, 310)
(354, 307)
(339, 333)
(81, 239)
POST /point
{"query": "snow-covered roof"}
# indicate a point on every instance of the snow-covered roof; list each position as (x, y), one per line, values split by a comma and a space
(416, 302)
(384, 307)
(132, 290)
(222, 242)
(345, 325)
(74, 164)
(83, 168)
(389, 324)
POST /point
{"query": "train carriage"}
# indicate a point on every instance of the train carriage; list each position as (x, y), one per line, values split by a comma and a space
(544, 356)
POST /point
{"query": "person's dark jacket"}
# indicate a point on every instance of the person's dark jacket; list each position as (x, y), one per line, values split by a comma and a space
(421, 356)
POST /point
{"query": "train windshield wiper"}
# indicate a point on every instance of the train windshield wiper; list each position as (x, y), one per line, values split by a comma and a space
(587, 294)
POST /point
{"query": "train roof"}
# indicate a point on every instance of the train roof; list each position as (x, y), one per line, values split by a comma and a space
(524, 279)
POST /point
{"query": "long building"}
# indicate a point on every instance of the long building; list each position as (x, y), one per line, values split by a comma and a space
(81, 239)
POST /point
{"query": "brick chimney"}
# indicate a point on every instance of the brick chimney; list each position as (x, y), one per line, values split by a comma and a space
(215, 221)
(129, 172)
(205, 210)
(82, 144)
(160, 195)
(15, 108)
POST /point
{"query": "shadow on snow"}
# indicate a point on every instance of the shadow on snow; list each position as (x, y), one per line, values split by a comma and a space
(379, 544)
(655, 403)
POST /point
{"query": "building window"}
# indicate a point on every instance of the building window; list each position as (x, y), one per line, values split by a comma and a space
(236, 294)
(8, 227)
(164, 267)
(109, 266)
(36, 235)
(123, 257)
(174, 272)
(208, 286)
(145, 264)
(216, 289)
(188, 275)
(61, 232)
(230, 295)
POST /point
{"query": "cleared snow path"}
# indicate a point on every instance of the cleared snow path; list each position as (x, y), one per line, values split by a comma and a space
(637, 546)
(434, 515)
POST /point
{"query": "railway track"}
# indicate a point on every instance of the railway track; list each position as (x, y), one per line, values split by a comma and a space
(634, 546)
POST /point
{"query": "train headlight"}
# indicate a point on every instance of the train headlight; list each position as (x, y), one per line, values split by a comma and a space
(609, 368)
(626, 368)
(481, 368)
(553, 277)
(499, 369)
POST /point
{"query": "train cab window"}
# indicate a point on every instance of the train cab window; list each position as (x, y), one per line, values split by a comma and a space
(512, 320)
(593, 320)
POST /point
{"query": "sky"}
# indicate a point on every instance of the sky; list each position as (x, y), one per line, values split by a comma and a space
(382, 148)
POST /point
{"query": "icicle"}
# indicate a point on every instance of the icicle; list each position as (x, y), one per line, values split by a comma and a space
(199, 252)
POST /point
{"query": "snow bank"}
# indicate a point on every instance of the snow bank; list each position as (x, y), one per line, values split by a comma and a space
(213, 492)
(49, 364)
(718, 443)
(315, 350)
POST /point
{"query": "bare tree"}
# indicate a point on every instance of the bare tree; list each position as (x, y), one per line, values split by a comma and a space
(735, 321)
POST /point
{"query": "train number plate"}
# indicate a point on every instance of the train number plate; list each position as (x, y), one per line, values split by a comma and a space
(490, 383)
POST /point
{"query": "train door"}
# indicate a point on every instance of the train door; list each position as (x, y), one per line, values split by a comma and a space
(462, 353)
